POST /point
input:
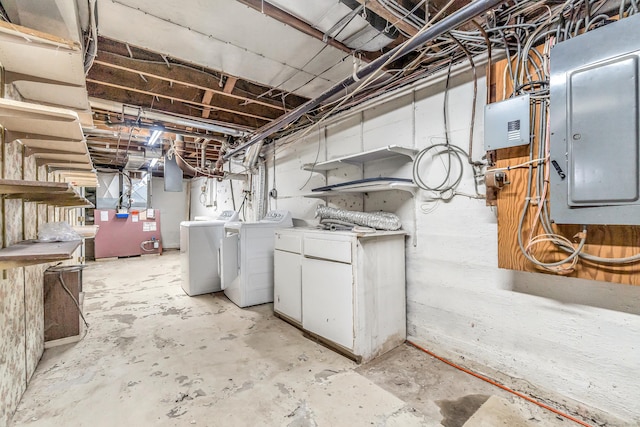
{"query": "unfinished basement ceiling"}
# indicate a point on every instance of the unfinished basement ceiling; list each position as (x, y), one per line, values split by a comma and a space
(220, 71)
(230, 37)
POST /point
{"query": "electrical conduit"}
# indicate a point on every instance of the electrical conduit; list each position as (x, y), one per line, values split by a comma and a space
(463, 15)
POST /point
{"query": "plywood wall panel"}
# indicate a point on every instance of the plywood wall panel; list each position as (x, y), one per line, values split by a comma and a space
(604, 241)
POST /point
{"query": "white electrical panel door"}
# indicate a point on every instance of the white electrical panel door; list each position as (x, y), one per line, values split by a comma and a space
(327, 300)
(287, 298)
(603, 133)
(594, 121)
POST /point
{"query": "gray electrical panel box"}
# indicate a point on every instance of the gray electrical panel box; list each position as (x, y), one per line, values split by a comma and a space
(506, 123)
(595, 117)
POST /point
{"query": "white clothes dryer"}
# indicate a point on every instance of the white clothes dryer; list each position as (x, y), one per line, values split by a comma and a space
(247, 258)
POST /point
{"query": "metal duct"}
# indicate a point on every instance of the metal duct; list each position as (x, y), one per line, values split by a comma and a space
(179, 155)
(378, 220)
(261, 190)
(446, 24)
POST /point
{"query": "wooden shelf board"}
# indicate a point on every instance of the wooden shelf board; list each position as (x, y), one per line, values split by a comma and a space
(387, 152)
(40, 146)
(31, 252)
(64, 157)
(14, 186)
(32, 55)
(24, 121)
(45, 69)
(76, 167)
(53, 193)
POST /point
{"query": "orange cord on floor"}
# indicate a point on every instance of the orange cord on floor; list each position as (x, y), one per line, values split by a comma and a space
(505, 388)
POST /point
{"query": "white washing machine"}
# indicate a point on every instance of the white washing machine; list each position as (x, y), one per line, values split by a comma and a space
(247, 258)
(199, 254)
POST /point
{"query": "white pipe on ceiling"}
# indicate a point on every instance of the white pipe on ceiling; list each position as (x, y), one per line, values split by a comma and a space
(118, 107)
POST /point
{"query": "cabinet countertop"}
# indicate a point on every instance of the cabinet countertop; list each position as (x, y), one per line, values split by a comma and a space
(349, 233)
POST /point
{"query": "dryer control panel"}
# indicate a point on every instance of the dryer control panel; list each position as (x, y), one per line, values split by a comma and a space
(228, 216)
(278, 216)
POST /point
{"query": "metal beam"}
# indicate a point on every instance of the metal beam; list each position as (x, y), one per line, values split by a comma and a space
(446, 24)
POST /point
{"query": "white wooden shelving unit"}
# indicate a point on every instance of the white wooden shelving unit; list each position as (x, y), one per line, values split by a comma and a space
(383, 184)
(388, 152)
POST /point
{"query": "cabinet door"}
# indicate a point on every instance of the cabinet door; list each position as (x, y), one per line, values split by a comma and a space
(287, 296)
(327, 300)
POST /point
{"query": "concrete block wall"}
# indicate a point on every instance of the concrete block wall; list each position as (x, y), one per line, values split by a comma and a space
(576, 337)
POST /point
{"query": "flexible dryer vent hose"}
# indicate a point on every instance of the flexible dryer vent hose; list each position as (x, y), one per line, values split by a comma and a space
(379, 220)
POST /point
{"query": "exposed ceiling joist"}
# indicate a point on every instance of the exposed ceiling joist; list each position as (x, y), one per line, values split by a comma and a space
(206, 99)
(230, 84)
(164, 94)
(175, 75)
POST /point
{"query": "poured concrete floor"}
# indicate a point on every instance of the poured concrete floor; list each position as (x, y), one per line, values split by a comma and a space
(154, 356)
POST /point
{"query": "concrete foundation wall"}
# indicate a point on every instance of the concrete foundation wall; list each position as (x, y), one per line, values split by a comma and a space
(575, 337)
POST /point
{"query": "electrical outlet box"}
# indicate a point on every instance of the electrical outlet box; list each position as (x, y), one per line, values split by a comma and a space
(595, 120)
(506, 123)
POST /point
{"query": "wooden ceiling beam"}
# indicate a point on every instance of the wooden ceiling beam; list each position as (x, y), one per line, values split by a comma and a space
(229, 84)
(175, 75)
(133, 98)
(175, 93)
(175, 99)
(206, 99)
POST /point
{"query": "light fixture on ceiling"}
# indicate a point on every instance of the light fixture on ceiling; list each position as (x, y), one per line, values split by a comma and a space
(153, 163)
(154, 137)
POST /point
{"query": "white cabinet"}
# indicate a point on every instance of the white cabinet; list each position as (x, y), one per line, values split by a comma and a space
(327, 300)
(287, 292)
(349, 291)
(287, 275)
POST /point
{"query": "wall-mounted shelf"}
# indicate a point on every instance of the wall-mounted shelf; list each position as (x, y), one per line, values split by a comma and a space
(31, 252)
(27, 121)
(53, 193)
(78, 178)
(366, 186)
(387, 152)
(44, 68)
(52, 135)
